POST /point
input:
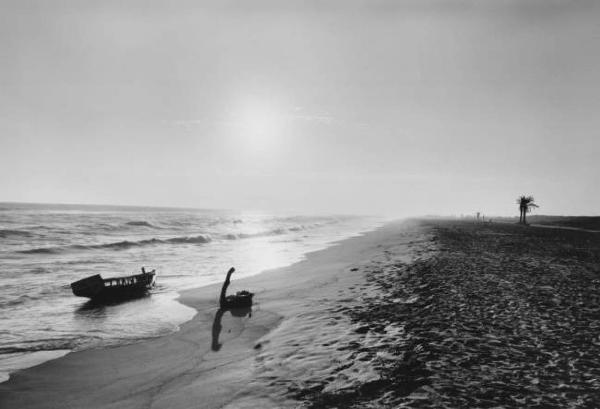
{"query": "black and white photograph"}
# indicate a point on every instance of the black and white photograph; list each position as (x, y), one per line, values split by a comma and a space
(299, 204)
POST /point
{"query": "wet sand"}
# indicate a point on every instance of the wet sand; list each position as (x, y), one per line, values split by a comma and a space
(233, 361)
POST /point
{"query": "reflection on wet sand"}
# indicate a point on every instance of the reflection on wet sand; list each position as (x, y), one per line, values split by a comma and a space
(216, 328)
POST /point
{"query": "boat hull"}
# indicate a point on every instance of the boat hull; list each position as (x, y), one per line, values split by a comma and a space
(98, 288)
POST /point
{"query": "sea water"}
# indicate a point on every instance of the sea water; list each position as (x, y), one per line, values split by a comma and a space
(43, 248)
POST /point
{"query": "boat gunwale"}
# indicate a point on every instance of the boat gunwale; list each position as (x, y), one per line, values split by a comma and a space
(148, 273)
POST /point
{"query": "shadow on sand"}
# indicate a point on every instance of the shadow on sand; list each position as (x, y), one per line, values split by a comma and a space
(216, 328)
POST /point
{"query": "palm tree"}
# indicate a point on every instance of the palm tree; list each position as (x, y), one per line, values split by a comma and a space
(526, 205)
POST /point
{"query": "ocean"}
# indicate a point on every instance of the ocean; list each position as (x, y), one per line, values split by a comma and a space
(43, 248)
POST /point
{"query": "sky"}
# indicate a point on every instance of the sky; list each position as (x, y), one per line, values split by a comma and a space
(403, 107)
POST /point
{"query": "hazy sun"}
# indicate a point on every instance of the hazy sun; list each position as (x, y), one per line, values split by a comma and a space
(259, 125)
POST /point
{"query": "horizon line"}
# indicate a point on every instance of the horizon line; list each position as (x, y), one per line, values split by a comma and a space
(138, 206)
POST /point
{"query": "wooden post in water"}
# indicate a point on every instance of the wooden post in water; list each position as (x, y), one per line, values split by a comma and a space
(223, 299)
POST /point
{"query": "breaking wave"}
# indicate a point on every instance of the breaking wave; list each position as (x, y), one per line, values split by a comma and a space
(141, 223)
(42, 250)
(273, 232)
(201, 239)
(38, 345)
(121, 245)
(198, 239)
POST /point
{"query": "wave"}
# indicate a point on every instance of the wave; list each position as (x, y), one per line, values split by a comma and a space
(93, 228)
(273, 232)
(47, 344)
(198, 239)
(41, 250)
(8, 233)
(121, 245)
(201, 239)
(71, 341)
(141, 223)
(35, 348)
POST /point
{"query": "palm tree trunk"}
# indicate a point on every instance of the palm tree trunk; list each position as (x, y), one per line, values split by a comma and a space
(524, 216)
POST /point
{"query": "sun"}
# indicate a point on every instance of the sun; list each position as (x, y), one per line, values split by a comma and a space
(259, 120)
(260, 126)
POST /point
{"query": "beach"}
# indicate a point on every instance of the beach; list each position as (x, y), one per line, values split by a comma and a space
(429, 313)
(183, 369)
(493, 315)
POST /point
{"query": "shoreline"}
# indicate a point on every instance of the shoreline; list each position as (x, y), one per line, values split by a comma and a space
(37, 357)
(192, 362)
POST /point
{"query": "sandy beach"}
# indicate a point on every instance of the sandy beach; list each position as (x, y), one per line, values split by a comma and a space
(493, 315)
(415, 314)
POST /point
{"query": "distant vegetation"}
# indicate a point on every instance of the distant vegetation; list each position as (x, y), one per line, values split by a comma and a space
(526, 205)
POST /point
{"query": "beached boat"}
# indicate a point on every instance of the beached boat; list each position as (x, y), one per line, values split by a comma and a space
(98, 288)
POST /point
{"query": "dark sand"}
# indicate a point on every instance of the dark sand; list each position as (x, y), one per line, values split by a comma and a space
(498, 315)
(425, 315)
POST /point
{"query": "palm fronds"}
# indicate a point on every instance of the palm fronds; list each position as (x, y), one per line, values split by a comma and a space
(526, 205)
